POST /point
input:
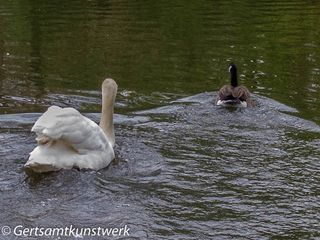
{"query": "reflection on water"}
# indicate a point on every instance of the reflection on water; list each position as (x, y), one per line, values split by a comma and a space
(147, 46)
(185, 169)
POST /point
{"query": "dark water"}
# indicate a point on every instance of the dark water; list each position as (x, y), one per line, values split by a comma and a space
(185, 168)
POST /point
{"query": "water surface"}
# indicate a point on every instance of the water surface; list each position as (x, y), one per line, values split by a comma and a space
(184, 169)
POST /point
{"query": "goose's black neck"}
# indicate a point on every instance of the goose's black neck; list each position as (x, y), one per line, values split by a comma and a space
(233, 72)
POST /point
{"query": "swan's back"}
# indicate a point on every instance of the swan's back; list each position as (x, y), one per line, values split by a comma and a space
(66, 139)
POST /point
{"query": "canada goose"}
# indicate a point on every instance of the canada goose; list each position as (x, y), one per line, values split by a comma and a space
(66, 139)
(234, 95)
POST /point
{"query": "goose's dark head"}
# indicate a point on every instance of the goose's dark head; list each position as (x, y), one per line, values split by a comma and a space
(233, 72)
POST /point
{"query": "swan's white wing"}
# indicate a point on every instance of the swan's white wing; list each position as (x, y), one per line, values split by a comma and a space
(67, 139)
(69, 125)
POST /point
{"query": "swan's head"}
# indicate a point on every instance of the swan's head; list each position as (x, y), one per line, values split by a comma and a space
(233, 72)
(109, 92)
(109, 86)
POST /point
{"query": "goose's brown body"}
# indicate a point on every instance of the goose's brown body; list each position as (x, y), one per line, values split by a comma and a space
(234, 94)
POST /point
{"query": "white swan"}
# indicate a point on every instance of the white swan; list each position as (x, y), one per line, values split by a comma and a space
(66, 139)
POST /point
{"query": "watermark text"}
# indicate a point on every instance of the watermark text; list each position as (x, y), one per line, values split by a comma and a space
(70, 231)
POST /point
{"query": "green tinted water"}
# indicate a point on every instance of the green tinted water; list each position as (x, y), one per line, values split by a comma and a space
(158, 46)
(187, 170)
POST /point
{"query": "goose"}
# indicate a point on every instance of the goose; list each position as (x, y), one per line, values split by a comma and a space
(66, 139)
(234, 95)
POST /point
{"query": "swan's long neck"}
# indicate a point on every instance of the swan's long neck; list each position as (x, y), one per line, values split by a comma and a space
(109, 91)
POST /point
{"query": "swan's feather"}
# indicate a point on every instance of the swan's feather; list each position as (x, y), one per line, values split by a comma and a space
(67, 139)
